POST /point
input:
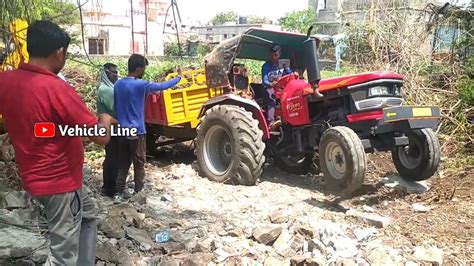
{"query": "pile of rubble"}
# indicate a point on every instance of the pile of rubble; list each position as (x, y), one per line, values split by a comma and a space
(215, 224)
(183, 219)
(21, 239)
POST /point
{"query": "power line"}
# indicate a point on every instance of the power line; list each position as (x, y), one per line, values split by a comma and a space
(82, 30)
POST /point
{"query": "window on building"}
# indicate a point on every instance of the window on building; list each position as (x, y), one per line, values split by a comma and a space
(225, 36)
(323, 5)
(97, 46)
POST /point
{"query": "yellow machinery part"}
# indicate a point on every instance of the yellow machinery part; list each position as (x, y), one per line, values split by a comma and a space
(184, 103)
(17, 29)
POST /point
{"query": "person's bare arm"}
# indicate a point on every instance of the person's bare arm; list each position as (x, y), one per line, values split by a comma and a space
(105, 121)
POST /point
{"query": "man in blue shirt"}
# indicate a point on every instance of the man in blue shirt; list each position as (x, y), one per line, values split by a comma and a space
(271, 72)
(129, 99)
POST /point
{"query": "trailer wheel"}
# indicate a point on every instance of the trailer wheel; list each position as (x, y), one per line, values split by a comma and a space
(229, 146)
(342, 160)
(420, 159)
(298, 164)
(152, 135)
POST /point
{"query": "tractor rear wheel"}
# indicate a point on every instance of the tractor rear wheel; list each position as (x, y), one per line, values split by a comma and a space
(420, 159)
(343, 160)
(298, 164)
(229, 146)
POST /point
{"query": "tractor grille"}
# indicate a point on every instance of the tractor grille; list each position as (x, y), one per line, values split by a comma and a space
(377, 103)
(394, 102)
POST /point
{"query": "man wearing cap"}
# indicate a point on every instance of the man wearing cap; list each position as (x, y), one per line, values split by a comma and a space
(271, 72)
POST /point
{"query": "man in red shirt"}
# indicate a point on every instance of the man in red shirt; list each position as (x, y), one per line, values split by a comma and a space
(52, 168)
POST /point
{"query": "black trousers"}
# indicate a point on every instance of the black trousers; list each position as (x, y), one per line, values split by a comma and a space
(110, 166)
(131, 150)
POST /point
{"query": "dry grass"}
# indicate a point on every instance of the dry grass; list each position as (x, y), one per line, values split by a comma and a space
(448, 225)
(399, 40)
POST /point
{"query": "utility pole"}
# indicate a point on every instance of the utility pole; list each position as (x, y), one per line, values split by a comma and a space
(173, 6)
(146, 27)
(133, 31)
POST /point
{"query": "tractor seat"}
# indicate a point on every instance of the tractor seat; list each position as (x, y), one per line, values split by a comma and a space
(260, 95)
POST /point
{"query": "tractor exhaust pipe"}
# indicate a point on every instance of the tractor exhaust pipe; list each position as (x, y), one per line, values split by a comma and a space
(312, 62)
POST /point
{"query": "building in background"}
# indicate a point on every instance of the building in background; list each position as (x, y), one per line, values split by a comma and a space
(332, 14)
(108, 27)
(213, 34)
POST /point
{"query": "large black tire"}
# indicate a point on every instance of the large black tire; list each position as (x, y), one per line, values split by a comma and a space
(294, 164)
(151, 138)
(229, 146)
(343, 160)
(420, 159)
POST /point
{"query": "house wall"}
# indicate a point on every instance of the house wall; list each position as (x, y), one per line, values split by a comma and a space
(113, 20)
(220, 33)
(357, 9)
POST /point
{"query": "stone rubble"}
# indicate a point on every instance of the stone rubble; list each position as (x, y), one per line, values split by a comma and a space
(212, 224)
(370, 218)
(429, 254)
(418, 207)
(408, 186)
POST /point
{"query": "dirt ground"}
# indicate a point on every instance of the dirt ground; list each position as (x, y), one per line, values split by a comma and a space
(447, 224)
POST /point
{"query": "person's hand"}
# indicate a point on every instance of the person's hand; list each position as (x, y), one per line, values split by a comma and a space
(105, 118)
(273, 83)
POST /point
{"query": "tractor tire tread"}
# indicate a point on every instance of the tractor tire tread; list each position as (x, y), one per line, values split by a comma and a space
(354, 178)
(248, 139)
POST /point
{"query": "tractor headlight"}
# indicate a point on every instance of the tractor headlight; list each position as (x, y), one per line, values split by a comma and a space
(397, 91)
(379, 90)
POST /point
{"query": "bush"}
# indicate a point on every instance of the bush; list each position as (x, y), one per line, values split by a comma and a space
(172, 49)
(466, 90)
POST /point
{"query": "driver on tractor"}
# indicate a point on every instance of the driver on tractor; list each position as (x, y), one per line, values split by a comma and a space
(271, 72)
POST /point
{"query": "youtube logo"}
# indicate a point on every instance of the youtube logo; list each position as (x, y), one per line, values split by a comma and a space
(45, 130)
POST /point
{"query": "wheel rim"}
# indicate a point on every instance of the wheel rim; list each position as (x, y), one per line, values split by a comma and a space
(217, 150)
(335, 160)
(293, 160)
(410, 156)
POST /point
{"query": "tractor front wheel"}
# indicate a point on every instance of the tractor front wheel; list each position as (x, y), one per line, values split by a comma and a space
(418, 160)
(229, 146)
(343, 160)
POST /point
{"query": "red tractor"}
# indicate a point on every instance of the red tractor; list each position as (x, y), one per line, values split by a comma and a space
(331, 122)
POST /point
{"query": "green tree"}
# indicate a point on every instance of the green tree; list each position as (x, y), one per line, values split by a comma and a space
(258, 20)
(223, 17)
(59, 11)
(62, 12)
(298, 21)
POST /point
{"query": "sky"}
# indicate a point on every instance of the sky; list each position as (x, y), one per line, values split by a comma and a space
(204, 10)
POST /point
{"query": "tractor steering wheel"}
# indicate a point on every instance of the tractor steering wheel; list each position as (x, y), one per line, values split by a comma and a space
(281, 83)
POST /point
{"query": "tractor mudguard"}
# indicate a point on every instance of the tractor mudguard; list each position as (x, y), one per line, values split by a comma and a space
(247, 104)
